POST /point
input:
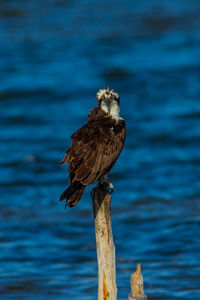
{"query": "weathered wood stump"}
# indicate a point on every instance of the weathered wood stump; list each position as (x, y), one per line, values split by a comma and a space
(137, 289)
(107, 289)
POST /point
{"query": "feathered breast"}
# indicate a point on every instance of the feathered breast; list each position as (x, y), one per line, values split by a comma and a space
(95, 148)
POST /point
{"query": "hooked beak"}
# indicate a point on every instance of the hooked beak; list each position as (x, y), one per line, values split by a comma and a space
(108, 101)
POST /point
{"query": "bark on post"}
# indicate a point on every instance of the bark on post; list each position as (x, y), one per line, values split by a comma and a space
(137, 290)
(107, 289)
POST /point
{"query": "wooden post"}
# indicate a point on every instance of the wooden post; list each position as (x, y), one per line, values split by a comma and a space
(137, 290)
(107, 289)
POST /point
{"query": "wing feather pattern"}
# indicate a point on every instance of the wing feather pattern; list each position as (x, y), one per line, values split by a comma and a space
(94, 150)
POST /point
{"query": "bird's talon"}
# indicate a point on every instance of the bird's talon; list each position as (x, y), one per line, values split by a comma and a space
(111, 187)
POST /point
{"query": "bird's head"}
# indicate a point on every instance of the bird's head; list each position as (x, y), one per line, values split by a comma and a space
(109, 102)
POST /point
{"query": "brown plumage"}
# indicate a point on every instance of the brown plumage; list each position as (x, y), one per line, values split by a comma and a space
(94, 150)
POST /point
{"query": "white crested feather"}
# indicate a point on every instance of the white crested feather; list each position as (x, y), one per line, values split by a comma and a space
(113, 110)
(104, 107)
(103, 92)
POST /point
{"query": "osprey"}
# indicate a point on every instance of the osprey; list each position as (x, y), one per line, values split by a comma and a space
(95, 147)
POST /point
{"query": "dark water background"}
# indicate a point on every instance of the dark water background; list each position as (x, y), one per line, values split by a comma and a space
(54, 56)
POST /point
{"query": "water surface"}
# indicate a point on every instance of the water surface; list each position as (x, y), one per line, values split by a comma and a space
(53, 59)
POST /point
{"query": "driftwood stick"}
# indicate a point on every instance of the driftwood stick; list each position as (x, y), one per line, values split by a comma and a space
(137, 290)
(107, 289)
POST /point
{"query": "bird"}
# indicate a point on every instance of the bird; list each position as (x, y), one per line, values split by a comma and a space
(95, 146)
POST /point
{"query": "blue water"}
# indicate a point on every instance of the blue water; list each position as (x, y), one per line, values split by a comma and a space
(54, 56)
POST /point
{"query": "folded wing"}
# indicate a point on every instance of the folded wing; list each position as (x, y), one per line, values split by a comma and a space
(95, 148)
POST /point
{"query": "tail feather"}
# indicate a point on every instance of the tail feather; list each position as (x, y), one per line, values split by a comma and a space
(66, 157)
(73, 194)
